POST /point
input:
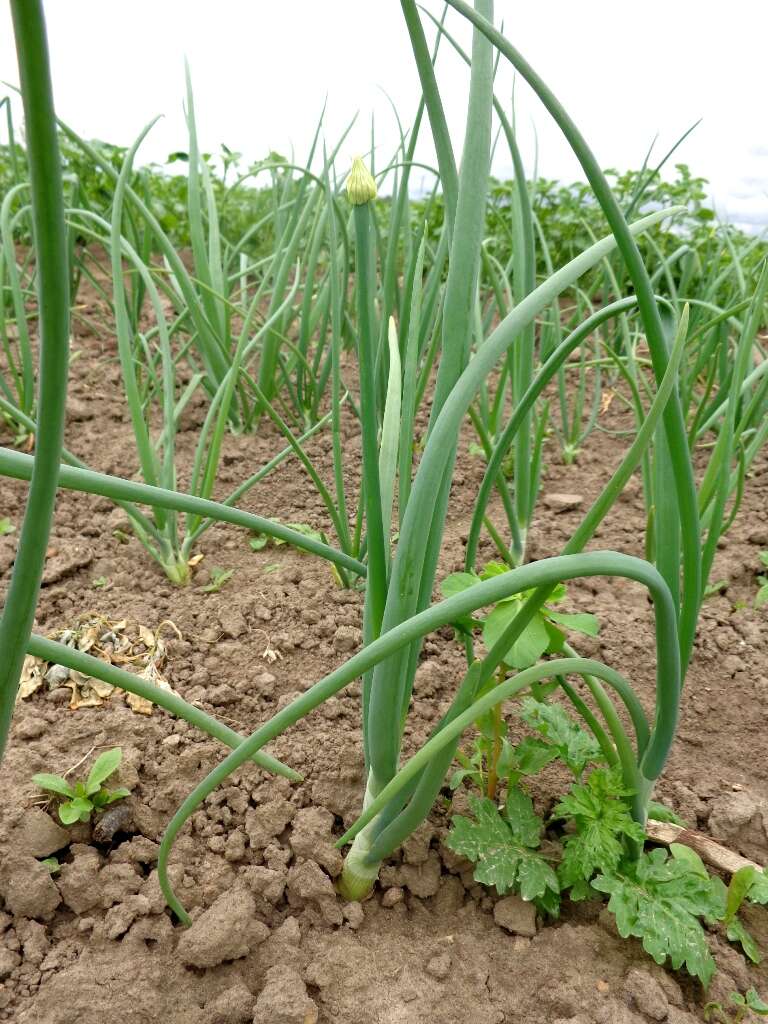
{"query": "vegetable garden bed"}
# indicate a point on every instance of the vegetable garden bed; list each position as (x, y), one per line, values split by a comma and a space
(426, 946)
(505, 476)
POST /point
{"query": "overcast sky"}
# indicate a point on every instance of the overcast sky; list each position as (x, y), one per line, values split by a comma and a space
(625, 71)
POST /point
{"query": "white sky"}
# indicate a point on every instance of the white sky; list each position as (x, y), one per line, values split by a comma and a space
(261, 71)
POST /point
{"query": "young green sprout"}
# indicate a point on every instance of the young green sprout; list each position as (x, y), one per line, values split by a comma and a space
(81, 799)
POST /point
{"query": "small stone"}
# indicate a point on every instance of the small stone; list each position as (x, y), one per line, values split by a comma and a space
(267, 821)
(232, 622)
(647, 995)
(393, 896)
(234, 848)
(138, 850)
(78, 411)
(416, 846)
(353, 915)
(284, 999)
(347, 638)
(116, 882)
(39, 835)
(312, 839)
(77, 880)
(34, 941)
(739, 820)
(120, 918)
(118, 818)
(9, 961)
(28, 729)
(516, 915)
(563, 502)
(307, 881)
(228, 930)
(422, 880)
(282, 945)
(265, 882)
(439, 966)
(28, 889)
(232, 1006)
(65, 563)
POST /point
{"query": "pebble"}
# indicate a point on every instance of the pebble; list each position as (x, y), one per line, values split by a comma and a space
(516, 915)
(647, 995)
(563, 502)
(284, 999)
(439, 966)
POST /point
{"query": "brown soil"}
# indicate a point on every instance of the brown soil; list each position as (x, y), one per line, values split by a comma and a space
(96, 941)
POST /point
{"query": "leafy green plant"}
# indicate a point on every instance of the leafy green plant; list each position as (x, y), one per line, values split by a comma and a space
(542, 633)
(504, 847)
(260, 540)
(742, 1005)
(6, 526)
(659, 897)
(603, 828)
(81, 799)
(218, 578)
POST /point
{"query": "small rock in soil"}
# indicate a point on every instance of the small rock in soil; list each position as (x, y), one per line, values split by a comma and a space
(39, 835)
(118, 818)
(232, 622)
(265, 882)
(28, 889)
(516, 916)
(226, 931)
(416, 846)
(267, 821)
(422, 880)
(120, 918)
(66, 562)
(347, 638)
(739, 819)
(232, 1006)
(34, 940)
(393, 896)
(282, 945)
(312, 839)
(138, 850)
(284, 999)
(234, 847)
(116, 882)
(354, 915)
(439, 966)
(307, 881)
(646, 994)
(9, 961)
(563, 502)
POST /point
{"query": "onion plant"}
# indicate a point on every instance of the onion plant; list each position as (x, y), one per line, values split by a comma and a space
(399, 585)
(45, 470)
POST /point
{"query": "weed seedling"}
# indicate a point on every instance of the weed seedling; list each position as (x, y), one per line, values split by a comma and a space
(218, 578)
(83, 798)
(742, 1004)
(6, 526)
